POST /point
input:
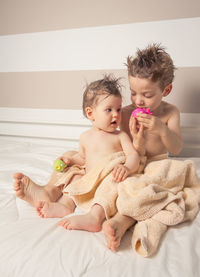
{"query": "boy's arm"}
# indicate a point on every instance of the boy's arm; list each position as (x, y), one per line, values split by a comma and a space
(137, 133)
(171, 134)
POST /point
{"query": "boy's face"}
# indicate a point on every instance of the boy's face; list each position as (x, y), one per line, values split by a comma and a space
(145, 93)
(106, 115)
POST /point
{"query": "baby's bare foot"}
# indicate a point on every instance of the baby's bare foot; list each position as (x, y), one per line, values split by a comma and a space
(27, 190)
(52, 209)
(85, 222)
(115, 228)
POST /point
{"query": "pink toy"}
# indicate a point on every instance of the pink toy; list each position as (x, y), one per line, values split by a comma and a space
(140, 110)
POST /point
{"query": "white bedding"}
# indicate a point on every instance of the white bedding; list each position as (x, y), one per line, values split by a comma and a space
(31, 246)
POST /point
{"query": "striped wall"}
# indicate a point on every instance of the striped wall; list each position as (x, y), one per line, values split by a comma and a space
(50, 49)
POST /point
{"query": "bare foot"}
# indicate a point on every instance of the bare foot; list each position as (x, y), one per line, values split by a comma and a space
(27, 190)
(91, 221)
(52, 209)
(115, 228)
(85, 222)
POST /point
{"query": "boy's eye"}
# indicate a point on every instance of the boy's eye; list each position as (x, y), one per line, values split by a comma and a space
(148, 96)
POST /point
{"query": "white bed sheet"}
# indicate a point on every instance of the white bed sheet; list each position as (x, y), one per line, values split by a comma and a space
(31, 246)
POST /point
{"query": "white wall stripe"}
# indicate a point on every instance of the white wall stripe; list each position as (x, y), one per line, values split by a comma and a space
(103, 47)
(67, 125)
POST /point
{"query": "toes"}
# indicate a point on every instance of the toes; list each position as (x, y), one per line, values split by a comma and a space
(18, 175)
(65, 223)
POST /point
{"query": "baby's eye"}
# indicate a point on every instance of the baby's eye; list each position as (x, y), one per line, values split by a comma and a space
(108, 110)
(119, 110)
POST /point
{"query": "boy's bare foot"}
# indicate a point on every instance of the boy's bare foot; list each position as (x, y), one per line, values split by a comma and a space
(91, 221)
(52, 209)
(81, 222)
(27, 190)
(115, 228)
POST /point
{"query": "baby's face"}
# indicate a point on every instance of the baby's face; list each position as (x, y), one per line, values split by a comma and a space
(145, 93)
(107, 113)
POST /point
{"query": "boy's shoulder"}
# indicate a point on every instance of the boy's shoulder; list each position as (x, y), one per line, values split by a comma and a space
(168, 107)
(128, 108)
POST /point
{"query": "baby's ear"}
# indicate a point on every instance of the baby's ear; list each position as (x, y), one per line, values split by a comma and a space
(167, 90)
(89, 112)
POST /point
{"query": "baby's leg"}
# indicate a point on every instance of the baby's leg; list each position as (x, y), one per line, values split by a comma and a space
(91, 221)
(30, 192)
(115, 228)
(63, 207)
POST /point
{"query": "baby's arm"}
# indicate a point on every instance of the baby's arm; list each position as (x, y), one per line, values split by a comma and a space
(74, 157)
(131, 164)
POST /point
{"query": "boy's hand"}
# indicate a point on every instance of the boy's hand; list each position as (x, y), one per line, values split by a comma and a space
(137, 132)
(152, 123)
(120, 172)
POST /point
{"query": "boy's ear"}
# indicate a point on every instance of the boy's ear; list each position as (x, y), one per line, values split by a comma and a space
(167, 90)
(88, 111)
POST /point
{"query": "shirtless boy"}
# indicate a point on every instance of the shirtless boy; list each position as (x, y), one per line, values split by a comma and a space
(102, 104)
(150, 74)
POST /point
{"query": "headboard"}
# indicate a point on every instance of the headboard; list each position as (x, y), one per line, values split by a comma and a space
(65, 126)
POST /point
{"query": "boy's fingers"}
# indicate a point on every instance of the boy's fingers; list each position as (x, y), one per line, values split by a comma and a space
(140, 133)
(132, 125)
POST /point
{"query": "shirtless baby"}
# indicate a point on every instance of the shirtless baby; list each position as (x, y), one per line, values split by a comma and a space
(102, 104)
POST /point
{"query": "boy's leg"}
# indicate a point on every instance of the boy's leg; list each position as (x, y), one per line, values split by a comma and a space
(64, 206)
(115, 228)
(92, 221)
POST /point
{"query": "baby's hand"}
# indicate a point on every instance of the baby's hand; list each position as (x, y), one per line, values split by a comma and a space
(65, 160)
(120, 172)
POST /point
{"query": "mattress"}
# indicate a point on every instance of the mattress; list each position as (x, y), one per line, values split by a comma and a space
(31, 246)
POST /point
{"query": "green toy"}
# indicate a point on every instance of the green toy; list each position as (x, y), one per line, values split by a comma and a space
(59, 165)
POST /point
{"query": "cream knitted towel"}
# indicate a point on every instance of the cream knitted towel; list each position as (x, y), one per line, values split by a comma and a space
(97, 186)
(167, 193)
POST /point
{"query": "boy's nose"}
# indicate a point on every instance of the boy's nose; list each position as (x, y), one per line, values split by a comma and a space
(139, 101)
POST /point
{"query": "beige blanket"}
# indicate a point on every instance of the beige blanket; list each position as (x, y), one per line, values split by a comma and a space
(95, 187)
(166, 193)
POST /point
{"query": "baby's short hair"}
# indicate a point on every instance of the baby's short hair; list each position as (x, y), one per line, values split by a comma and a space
(153, 63)
(107, 86)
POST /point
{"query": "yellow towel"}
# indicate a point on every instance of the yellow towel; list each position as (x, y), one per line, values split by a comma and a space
(166, 194)
(95, 187)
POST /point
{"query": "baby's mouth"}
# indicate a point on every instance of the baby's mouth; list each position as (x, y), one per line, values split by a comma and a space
(114, 122)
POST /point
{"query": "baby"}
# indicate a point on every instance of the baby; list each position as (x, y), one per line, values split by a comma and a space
(102, 104)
